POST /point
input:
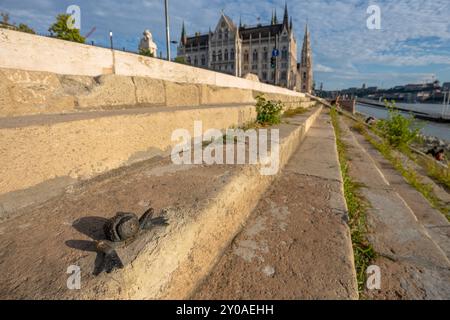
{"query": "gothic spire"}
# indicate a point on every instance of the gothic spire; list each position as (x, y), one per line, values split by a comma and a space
(290, 24)
(275, 18)
(306, 64)
(272, 21)
(183, 35)
(286, 16)
(306, 49)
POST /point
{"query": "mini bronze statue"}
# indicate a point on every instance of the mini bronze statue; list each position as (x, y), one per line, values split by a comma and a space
(123, 229)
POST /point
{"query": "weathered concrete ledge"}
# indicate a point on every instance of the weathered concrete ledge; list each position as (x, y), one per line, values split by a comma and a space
(32, 92)
(167, 263)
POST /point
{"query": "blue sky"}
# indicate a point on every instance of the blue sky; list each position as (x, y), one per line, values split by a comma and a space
(413, 44)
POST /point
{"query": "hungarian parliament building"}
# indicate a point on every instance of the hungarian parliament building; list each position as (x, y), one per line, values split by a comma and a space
(267, 51)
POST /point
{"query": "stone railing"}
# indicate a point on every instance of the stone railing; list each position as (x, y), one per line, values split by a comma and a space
(23, 51)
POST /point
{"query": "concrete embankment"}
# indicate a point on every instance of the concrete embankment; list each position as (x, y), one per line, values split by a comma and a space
(73, 111)
(61, 129)
(206, 207)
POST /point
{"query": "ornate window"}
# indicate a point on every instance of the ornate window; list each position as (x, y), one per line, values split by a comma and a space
(255, 56)
(220, 55)
(214, 56)
(195, 61)
(232, 54)
(246, 56)
(226, 55)
(203, 60)
(284, 53)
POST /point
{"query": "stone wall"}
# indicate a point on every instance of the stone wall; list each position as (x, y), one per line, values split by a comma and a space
(23, 51)
(36, 92)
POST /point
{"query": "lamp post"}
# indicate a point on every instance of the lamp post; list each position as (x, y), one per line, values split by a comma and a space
(166, 5)
(111, 39)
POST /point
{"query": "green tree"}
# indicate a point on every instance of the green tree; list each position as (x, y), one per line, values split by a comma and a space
(24, 28)
(60, 30)
(146, 52)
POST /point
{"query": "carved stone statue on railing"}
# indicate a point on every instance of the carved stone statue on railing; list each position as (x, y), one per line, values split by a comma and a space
(147, 46)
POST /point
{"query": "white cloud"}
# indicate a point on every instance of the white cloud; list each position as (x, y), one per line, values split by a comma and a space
(322, 68)
(414, 34)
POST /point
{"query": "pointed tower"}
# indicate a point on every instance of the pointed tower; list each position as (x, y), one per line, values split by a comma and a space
(272, 21)
(183, 39)
(290, 24)
(275, 18)
(286, 16)
(306, 66)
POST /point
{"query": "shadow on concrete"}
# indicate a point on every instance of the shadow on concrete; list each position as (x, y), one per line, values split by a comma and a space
(93, 228)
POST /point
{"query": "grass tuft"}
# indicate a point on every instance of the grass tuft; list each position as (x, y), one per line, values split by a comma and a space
(363, 251)
(294, 112)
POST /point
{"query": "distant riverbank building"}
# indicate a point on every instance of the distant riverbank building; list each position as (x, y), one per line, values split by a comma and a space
(239, 50)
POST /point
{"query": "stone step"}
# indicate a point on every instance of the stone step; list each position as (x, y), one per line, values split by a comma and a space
(35, 92)
(296, 243)
(206, 206)
(411, 238)
(57, 151)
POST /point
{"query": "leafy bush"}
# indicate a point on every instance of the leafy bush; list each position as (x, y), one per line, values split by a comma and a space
(398, 130)
(268, 112)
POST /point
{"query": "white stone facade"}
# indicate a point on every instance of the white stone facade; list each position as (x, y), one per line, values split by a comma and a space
(242, 50)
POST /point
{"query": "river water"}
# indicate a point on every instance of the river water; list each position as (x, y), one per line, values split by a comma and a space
(429, 128)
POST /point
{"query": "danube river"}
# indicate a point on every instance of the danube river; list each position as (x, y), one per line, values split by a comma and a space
(440, 130)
